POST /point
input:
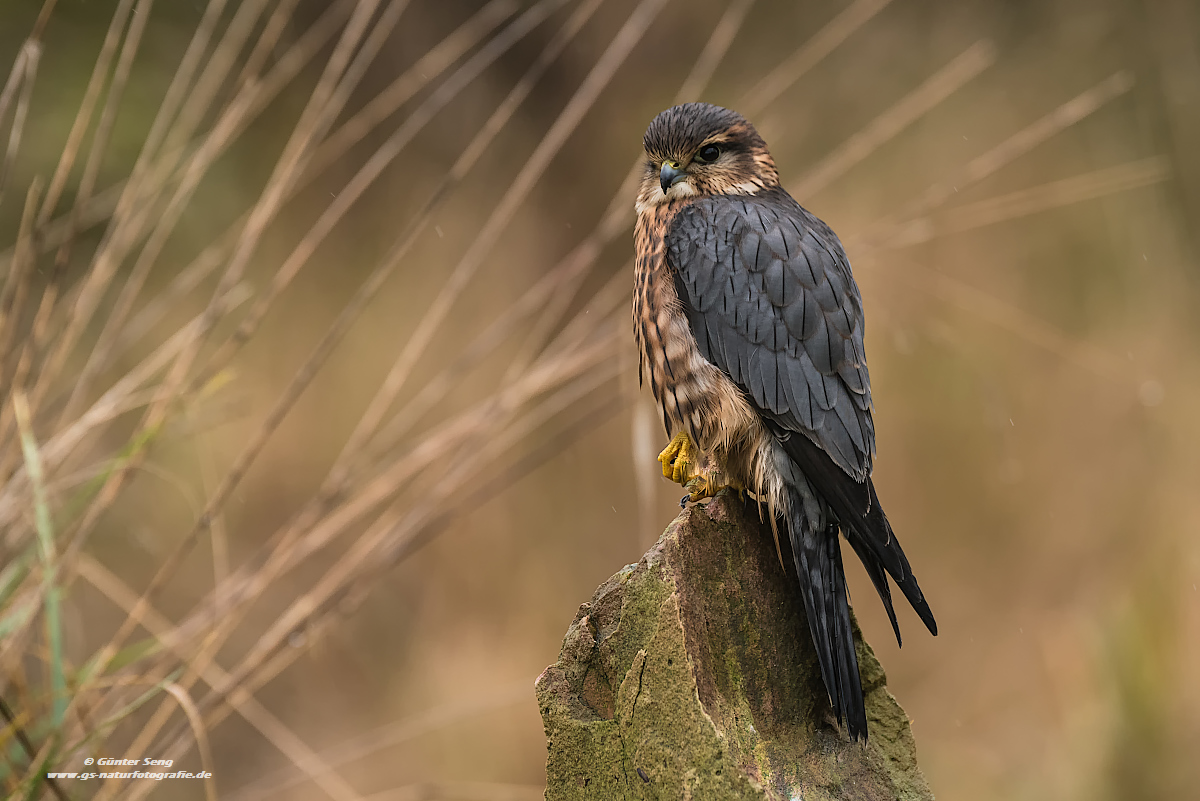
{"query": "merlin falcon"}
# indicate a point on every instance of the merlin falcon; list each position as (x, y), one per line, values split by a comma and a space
(750, 326)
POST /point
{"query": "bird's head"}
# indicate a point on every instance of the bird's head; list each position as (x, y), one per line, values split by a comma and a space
(699, 149)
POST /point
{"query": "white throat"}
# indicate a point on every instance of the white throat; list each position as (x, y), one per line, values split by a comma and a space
(657, 197)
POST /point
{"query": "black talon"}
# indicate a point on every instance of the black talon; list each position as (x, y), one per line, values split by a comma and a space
(684, 501)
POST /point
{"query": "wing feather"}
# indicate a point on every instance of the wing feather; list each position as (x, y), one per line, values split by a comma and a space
(759, 273)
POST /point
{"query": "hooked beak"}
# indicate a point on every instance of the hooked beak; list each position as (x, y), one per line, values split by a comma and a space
(670, 175)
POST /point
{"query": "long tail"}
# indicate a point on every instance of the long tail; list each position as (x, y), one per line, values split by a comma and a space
(818, 557)
(856, 511)
(862, 520)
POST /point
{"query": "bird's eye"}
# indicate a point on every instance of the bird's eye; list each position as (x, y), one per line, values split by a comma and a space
(708, 154)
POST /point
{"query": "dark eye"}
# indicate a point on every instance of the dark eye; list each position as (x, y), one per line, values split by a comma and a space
(708, 154)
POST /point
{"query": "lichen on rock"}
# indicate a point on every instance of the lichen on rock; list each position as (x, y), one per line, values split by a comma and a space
(692, 675)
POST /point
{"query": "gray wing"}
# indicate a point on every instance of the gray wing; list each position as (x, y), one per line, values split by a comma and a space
(771, 301)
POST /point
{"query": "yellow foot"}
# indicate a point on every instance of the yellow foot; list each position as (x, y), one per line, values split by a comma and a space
(678, 458)
(708, 485)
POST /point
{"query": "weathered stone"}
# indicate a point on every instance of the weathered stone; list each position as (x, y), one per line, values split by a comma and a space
(691, 675)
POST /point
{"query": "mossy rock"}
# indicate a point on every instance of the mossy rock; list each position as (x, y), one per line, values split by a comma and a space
(691, 675)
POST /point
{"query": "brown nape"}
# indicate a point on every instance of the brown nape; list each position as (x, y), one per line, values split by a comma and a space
(746, 172)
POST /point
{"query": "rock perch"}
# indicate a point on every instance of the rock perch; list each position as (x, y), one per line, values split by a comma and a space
(691, 675)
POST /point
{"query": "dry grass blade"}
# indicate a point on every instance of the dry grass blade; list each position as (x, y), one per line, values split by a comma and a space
(824, 42)
(714, 51)
(202, 94)
(198, 731)
(388, 736)
(997, 157)
(945, 82)
(83, 117)
(31, 54)
(266, 42)
(984, 306)
(411, 81)
(305, 760)
(54, 233)
(16, 286)
(43, 18)
(421, 522)
(16, 77)
(137, 187)
(1099, 183)
(218, 532)
(104, 128)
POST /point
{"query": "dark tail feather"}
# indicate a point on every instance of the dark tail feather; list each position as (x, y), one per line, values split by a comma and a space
(863, 522)
(818, 559)
(879, 578)
(875, 528)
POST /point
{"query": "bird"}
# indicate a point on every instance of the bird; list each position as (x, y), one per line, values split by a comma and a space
(750, 330)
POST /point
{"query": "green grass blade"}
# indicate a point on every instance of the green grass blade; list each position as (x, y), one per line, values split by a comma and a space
(82, 497)
(13, 574)
(126, 656)
(45, 534)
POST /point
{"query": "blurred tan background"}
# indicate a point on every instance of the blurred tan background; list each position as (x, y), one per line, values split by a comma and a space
(1033, 347)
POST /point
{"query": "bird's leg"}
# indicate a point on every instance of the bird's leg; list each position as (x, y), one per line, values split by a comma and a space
(678, 458)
